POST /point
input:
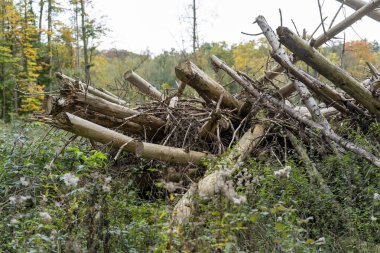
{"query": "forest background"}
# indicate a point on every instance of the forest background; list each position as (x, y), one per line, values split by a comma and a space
(58, 194)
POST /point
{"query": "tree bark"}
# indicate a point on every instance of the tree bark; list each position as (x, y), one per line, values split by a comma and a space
(82, 127)
(357, 4)
(326, 68)
(143, 86)
(207, 88)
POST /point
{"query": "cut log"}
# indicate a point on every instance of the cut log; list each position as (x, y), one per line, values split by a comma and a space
(189, 73)
(110, 122)
(142, 85)
(285, 91)
(357, 4)
(326, 68)
(216, 182)
(114, 110)
(87, 88)
(364, 10)
(270, 101)
(82, 127)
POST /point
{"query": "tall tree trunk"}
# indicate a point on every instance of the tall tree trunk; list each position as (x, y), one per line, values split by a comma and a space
(76, 21)
(50, 48)
(194, 8)
(2, 69)
(42, 4)
(84, 39)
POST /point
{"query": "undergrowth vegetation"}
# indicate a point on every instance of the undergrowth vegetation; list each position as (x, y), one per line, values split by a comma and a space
(68, 196)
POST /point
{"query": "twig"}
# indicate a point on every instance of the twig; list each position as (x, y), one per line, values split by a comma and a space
(252, 34)
(295, 27)
(321, 16)
(336, 14)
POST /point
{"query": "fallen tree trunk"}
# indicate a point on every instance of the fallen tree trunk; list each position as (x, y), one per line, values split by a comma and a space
(364, 10)
(306, 96)
(331, 33)
(357, 4)
(87, 88)
(269, 101)
(109, 122)
(207, 88)
(326, 68)
(82, 127)
(217, 182)
(143, 86)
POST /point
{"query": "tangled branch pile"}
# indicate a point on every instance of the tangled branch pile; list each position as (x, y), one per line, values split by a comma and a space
(188, 130)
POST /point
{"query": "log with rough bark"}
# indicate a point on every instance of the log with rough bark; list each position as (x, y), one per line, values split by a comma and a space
(207, 88)
(217, 182)
(270, 101)
(82, 127)
(76, 84)
(142, 85)
(336, 75)
(357, 4)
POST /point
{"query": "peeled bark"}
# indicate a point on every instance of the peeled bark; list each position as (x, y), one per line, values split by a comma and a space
(142, 85)
(82, 127)
(87, 88)
(357, 4)
(326, 68)
(207, 88)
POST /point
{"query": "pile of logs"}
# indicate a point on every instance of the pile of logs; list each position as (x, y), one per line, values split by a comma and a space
(182, 130)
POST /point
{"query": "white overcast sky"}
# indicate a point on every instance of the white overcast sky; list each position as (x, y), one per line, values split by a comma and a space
(158, 25)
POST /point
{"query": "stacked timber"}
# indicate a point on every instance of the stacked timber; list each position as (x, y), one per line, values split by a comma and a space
(175, 128)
